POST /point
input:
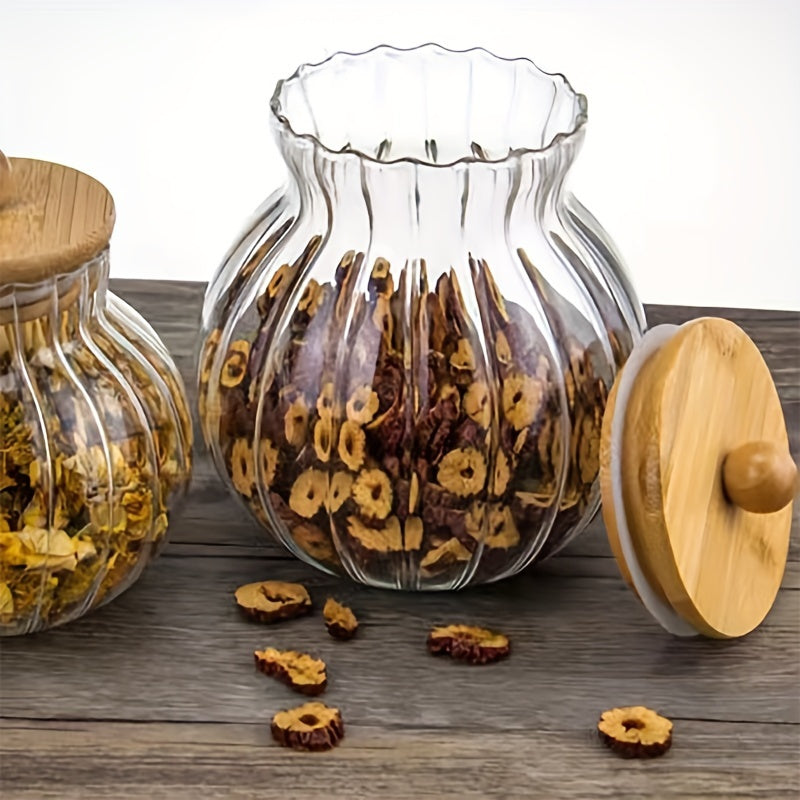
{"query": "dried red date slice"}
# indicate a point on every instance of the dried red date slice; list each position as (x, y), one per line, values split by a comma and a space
(300, 671)
(312, 726)
(469, 643)
(340, 621)
(271, 601)
(635, 732)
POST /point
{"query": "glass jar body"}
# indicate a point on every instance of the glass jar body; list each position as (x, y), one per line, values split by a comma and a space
(96, 447)
(405, 364)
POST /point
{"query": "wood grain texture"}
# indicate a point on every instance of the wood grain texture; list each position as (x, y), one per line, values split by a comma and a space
(52, 219)
(156, 696)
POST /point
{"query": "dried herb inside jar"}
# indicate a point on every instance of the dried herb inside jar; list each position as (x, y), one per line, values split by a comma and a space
(386, 411)
(89, 458)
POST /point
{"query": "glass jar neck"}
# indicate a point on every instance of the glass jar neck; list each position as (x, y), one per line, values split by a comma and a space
(23, 302)
(403, 204)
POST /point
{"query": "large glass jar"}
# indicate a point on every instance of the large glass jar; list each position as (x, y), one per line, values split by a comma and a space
(95, 435)
(407, 352)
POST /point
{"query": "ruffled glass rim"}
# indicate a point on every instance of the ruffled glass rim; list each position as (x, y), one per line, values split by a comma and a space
(284, 125)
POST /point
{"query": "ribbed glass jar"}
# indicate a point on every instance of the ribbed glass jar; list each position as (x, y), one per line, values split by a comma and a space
(407, 353)
(95, 447)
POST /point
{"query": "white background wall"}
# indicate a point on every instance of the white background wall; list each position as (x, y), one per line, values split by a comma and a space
(691, 159)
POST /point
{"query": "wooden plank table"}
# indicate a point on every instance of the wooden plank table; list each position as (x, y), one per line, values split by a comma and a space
(155, 696)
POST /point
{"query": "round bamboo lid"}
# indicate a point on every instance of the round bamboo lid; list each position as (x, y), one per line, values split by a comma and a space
(52, 219)
(697, 479)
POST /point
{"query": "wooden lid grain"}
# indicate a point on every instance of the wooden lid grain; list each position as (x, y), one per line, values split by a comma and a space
(706, 480)
(52, 219)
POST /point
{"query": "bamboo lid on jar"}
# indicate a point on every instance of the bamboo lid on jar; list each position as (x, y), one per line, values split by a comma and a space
(52, 219)
(697, 479)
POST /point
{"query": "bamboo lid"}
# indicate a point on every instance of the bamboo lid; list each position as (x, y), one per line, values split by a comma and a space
(697, 479)
(52, 219)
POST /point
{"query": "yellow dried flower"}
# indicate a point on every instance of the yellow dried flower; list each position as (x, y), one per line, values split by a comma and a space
(373, 493)
(502, 349)
(412, 533)
(502, 528)
(463, 471)
(277, 283)
(209, 351)
(325, 399)
(309, 492)
(6, 602)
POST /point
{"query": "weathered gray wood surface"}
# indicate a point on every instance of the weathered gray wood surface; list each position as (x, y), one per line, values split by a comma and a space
(155, 696)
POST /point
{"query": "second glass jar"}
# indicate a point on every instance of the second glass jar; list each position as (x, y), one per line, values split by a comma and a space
(407, 354)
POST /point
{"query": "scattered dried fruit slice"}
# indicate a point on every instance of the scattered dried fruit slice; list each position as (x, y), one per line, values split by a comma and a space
(469, 643)
(340, 621)
(300, 671)
(312, 726)
(635, 732)
(271, 601)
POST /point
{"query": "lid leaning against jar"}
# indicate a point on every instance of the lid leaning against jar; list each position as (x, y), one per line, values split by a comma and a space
(52, 219)
(697, 479)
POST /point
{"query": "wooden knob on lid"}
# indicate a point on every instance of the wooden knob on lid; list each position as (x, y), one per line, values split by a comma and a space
(760, 477)
(697, 480)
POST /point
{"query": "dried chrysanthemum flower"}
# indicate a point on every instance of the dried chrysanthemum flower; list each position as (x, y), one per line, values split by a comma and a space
(522, 397)
(312, 726)
(235, 366)
(376, 540)
(209, 351)
(6, 602)
(271, 601)
(295, 422)
(372, 491)
(352, 441)
(635, 732)
(469, 643)
(503, 531)
(477, 403)
(502, 473)
(323, 432)
(444, 556)
(380, 279)
(464, 357)
(340, 621)
(242, 467)
(308, 492)
(268, 456)
(463, 471)
(300, 671)
(339, 490)
(362, 405)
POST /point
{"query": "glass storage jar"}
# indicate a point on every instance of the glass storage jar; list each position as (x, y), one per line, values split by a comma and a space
(95, 435)
(406, 355)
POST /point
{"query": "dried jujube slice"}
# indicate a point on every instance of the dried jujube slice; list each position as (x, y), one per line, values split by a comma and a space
(469, 643)
(340, 621)
(300, 671)
(271, 601)
(312, 726)
(635, 732)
